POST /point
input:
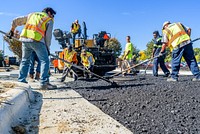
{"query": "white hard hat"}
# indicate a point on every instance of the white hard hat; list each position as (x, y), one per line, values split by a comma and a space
(165, 23)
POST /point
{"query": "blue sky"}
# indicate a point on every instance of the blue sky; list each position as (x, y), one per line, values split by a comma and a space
(137, 18)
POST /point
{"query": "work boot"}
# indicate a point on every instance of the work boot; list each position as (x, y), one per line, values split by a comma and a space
(172, 79)
(196, 79)
(167, 74)
(47, 86)
(37, 76)
(75, 77)
(124, 74)
(31, 78)
(62, 80)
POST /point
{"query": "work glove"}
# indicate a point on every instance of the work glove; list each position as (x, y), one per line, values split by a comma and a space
(10, 34)
(161, 54)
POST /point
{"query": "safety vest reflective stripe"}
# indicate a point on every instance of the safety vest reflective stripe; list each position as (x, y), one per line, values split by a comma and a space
(85, 58)
(35, 28)
(69, 55)
(158, 46)
(176, 34)
(168, 32)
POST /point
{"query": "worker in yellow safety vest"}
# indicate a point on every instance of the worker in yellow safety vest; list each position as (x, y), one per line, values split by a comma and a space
(128, 53)
(70, 56)
(75, 29)
(177, 37)
(35, 36)
(88, 61)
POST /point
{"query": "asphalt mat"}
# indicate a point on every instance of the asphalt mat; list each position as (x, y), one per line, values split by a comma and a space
(147, 104)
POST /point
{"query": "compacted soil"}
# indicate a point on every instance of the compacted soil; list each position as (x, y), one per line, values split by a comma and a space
(147, 104)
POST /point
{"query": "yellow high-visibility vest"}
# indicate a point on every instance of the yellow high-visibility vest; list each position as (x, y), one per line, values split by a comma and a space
(35, 27)
(75, 28)
(84, 59)
(70, 56)
(129, 47)
(176, 34)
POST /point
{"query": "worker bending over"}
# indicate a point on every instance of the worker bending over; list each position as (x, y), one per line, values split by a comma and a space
(70, 56)
(177, 37)
(88, 61)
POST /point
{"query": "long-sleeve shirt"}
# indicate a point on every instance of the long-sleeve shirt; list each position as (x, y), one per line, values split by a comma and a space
(19, 21)
(157, 45)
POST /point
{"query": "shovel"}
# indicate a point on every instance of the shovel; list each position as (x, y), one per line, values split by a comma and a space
(116, 74)
(80, 68)
(147, 66)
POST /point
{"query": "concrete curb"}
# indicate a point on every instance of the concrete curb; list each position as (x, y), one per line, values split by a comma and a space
(74, 115)
(18, 100)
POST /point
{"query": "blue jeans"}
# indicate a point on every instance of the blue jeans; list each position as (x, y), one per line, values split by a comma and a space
(42, 53)
(32, 63)
(159, 60)
(74, 35)
(188, 53)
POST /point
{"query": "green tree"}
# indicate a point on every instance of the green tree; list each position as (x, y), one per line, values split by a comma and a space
(197, 54)
(115, 45)
(149, 50)
(135, 53)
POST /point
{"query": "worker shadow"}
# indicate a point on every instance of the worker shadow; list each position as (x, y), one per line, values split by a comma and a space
(111, 87)
(89, 80)
(97, 100)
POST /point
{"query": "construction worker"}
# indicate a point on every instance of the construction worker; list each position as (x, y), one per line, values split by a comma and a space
(32, 65)
(35, 36)
(156, 51)
(71, 56)
(88, 61)
(177, 37)
(75, 29)
(128, 54)
(55, 65)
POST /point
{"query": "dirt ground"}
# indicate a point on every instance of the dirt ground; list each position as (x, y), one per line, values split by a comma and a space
(5, 86)
(147, 104)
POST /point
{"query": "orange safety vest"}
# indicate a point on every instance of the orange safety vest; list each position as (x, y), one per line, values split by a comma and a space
(35, 27)
(55, 63)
